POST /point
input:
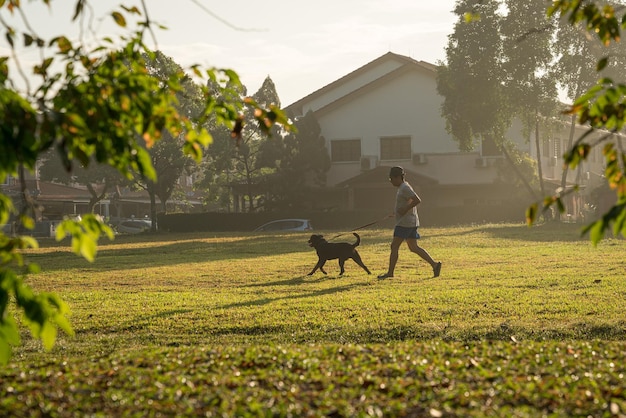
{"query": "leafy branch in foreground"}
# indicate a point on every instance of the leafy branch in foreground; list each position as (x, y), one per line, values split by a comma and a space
(92, 105)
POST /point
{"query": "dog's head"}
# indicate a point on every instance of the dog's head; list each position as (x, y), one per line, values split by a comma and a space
(316, 240)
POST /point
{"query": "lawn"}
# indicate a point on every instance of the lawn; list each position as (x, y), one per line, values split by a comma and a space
(522, 322)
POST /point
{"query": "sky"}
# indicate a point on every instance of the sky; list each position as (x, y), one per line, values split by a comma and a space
(301, 46)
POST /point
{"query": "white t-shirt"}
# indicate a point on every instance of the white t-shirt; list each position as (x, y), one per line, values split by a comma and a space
(410, 219)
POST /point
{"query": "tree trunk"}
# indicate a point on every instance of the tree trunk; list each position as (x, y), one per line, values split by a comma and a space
(95, 198)
(539, 167)
(153, 210)
(570, 142)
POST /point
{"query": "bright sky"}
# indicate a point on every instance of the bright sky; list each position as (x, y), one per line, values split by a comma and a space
(301, 46)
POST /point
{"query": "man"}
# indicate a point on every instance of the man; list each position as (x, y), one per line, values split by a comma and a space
(407, 222)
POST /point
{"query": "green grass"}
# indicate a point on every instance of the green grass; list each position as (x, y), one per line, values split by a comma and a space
(522, 322)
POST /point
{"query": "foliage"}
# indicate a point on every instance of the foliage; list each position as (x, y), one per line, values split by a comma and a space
(91, 104)
(601, 107)
(524, 174)
(189, 325)
(474, 103)
(499, 68)
(167, 156)
(300, 159)
(253, 174)
(285, 163)
(503, 61)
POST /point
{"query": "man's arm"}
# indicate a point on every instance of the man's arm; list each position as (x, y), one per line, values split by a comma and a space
(410, 204)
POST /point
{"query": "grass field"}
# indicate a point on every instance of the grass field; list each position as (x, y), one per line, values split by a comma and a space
(522, 322)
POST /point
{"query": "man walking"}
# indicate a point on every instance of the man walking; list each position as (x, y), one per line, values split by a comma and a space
(407, 222)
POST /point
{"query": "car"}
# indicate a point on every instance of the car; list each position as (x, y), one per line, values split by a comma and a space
(286, 225)
(134, 226)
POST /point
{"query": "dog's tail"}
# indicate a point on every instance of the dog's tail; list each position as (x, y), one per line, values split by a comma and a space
(358, 240)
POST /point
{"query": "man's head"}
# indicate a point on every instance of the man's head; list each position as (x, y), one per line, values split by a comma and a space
(396, 175)
(396, 171)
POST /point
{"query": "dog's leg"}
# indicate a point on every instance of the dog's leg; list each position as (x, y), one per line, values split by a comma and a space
(357, 259)
(342, 261)
(319, 265)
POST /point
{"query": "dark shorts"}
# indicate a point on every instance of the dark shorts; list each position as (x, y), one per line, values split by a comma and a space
(406, 232)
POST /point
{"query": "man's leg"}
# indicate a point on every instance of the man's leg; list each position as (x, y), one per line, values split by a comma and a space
(412, 243)
(393, 257)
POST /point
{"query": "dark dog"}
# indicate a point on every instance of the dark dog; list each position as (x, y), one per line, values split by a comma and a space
(329, 251)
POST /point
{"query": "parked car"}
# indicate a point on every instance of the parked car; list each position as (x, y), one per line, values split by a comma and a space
(133, 226)
(286, 225)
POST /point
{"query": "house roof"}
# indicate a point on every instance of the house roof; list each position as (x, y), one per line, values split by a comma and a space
(407, 64)
(44, 190)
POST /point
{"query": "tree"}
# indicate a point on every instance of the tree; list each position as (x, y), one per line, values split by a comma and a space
(499, 68)
(530, 83)
(167, 156)
(474, 103)
(92, 107)
(300, 158)
(577, 55)
(216, 169)
(218, 165)
(253, 174)
(601, 107)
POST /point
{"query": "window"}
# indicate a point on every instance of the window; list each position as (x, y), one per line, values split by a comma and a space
(395, 148)
(345, 150)
(558, 152)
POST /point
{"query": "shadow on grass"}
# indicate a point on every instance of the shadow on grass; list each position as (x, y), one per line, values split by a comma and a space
(287, 282)
(137, 323)
(302, 295)
(315, 332)
(322, 333)
(164, 253)
(304, 279)
(548, 232)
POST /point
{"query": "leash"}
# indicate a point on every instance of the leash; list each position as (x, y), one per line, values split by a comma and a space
(363, 226)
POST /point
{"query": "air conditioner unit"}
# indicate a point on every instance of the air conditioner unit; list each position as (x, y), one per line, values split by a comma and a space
(368, 162)
(481, 162)
(419, 159)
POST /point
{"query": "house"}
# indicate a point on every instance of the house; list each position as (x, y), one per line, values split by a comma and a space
(387, 113)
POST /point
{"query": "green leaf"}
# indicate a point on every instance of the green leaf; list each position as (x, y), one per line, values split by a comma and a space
(602, 63)
(119, 19)
(9, 331)
(5, 350)
(28, 39)
(28, 222)
(34, 268)
(9, 38)
(531, 214)
(596, 232)
(48, 335)
(79, 9)
(62, 43)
